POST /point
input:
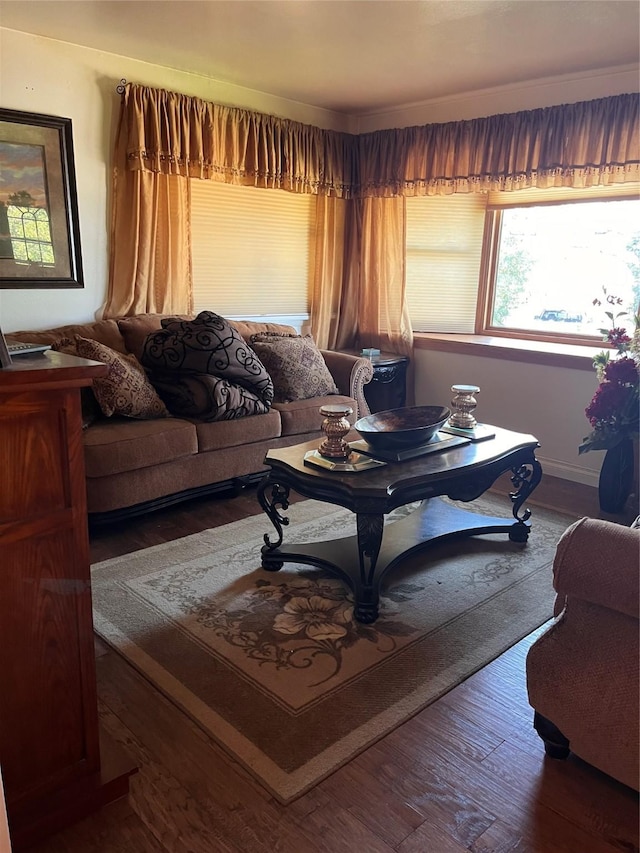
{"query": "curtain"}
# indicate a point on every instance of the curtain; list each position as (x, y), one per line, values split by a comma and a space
(382, 312)
(333, 314)
(576, 145)
(175, 134)
(150, 249)
(165, 139)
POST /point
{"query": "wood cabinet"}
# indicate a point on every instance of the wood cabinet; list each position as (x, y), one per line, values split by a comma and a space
(49, 735)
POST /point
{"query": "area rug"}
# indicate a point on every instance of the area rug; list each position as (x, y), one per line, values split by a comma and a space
(273, 665)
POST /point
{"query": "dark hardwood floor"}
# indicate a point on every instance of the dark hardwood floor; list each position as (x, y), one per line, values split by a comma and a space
(468, 773)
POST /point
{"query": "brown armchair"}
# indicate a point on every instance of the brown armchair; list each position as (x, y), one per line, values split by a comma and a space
(582, 672)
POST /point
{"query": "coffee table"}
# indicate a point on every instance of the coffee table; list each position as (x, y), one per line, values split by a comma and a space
(462, 473)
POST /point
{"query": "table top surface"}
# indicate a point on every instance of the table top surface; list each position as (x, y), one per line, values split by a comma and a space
(385, 357)
(430, 474)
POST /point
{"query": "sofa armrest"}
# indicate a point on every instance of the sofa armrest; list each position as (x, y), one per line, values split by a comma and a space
(350, 373)
(598, 561)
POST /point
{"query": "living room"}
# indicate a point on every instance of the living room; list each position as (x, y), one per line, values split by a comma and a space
(540, 389)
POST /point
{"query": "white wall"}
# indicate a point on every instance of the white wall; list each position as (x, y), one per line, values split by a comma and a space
(507, 99)
(42, 75)
(546, 402)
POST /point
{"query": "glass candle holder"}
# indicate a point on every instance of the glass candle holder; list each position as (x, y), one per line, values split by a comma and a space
(463, 404)
(335, 426)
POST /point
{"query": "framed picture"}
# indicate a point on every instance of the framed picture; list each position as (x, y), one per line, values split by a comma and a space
(39, 229)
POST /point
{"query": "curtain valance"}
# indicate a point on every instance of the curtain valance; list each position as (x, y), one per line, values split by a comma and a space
(582, 144)
(173, 134)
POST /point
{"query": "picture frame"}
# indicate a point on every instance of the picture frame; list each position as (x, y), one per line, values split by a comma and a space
(39, 225)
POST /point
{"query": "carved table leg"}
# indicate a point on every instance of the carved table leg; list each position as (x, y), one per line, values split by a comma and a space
(279, 498)
(366, 587)
(525, 478)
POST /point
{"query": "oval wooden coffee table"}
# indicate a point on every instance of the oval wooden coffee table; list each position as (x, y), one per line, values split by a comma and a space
(462, 473)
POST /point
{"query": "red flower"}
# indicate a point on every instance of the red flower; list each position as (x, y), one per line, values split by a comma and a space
(622, 370)
(618, 336)
(608, 401)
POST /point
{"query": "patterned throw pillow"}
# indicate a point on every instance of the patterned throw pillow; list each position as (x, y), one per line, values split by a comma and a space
(125, 390)
(210, 345)
(207, 398)
(89, 405)
(296, 366)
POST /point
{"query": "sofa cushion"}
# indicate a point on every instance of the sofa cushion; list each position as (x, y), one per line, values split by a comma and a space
(247, 328)
(114, 445)
(301, 416)
(208, 398)
(125, 390)
(221, 434)
(135, 330)
(209, 344)
(104, 331)
(296, 366)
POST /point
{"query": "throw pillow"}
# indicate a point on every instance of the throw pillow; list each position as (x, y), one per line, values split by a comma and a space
(205, 397)
(125, 390)
(89, 405)
(295, 365)
(209, 344)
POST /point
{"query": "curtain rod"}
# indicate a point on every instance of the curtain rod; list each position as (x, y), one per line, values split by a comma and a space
(121, 86)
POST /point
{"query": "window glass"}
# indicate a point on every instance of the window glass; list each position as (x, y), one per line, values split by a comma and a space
(552, 261)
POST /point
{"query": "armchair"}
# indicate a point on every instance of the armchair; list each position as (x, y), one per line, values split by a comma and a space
(582, 672)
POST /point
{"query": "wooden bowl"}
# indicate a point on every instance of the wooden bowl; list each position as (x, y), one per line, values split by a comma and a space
(396, 429)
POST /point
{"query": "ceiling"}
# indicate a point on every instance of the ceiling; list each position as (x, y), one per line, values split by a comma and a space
(349, 56)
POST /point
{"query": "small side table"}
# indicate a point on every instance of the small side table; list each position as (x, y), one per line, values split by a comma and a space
(388, 387)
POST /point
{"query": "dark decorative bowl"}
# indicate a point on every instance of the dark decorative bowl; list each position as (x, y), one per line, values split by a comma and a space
(398, 429)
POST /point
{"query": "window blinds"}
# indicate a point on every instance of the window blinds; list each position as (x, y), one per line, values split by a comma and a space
(444, 248)
(252, 250)
(561, 195)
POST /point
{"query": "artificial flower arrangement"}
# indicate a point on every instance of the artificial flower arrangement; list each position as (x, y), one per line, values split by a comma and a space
(615, 408)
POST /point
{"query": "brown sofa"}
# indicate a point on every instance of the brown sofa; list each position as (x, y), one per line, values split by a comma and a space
(133, 466)
(582, 672)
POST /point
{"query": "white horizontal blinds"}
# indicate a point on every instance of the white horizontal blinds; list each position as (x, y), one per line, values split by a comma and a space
(560, 195)
(252, 249)
(444, 248)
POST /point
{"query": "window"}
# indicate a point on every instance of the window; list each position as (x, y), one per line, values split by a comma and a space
(549, 257)
(523, 264)
(252, 251)
(30, 235)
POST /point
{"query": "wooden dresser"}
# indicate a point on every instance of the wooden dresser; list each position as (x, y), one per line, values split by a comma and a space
(50, 750)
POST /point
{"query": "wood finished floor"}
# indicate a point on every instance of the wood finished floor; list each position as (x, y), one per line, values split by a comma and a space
(468, 773)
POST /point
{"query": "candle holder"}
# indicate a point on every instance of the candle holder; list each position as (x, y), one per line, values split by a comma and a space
(335, 426)
(463, 403)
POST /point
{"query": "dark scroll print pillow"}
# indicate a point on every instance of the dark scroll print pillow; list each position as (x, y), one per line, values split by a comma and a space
(205, 397)
(209, 345)
(296, 366)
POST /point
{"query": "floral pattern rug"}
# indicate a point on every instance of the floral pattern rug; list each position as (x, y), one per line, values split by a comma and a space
(273, 665)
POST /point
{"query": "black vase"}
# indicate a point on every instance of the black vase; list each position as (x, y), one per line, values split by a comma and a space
(616, 477)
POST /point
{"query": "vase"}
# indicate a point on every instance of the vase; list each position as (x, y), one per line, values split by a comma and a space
(616, 477)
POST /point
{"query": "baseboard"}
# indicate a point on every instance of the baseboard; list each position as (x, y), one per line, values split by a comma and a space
(567, 471)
